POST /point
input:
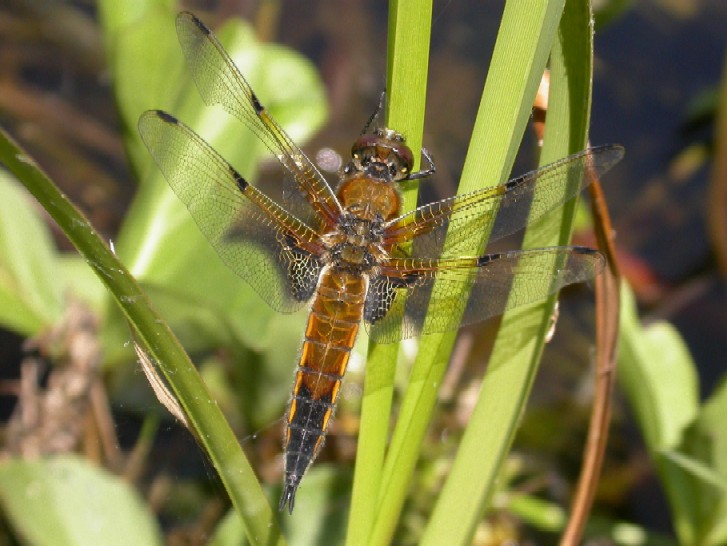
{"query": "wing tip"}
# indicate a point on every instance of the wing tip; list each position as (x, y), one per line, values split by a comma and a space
(585, 250)
(617, 148)
(597, 258)
(147, 125)
(610, 155)
(185, 16)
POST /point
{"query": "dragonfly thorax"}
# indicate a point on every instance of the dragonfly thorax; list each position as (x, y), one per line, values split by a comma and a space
(356, 243)
(356, 258)
(369, 198)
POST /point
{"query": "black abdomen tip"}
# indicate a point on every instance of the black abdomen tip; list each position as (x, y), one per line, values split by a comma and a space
(288, 496)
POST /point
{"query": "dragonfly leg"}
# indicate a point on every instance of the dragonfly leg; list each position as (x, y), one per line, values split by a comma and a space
(424, 173)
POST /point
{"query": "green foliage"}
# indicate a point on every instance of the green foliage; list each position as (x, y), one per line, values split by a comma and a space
(528, 36)
(157, 224)
(687, 442)
(208, 307)
(67, 501)
(30, 294)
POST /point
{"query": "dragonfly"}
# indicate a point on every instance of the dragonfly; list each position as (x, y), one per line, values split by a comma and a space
(350, 253)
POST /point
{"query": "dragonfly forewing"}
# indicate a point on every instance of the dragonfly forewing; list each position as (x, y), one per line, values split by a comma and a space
(499, 210)
(220, 82)
(256, 238)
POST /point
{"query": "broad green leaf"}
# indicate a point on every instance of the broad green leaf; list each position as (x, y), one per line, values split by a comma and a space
(229, 532)
(30, 291)
(688, 444)
(118, 17)
(658, 375)
(320, 515)
(68, 501)
(695, 475)
(79, 280)
(143, 57)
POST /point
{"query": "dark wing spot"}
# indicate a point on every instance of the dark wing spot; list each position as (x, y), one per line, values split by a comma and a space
(256, 103)
(199, 24)
(304, 269)
(168, 118)
(239, 179)
(381, 294)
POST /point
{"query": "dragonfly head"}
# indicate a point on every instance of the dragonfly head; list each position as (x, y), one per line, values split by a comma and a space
(383, 155)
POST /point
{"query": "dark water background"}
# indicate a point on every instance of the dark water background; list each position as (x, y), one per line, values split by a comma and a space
(657, 68)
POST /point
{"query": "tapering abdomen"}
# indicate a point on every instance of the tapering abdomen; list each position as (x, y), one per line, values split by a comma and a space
(333, 324)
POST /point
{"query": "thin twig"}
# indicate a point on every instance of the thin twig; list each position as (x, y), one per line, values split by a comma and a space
(607, 321)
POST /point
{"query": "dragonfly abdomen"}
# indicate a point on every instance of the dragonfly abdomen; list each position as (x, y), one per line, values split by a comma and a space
(332, 327)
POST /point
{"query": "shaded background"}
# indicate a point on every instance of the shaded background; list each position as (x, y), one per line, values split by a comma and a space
(657, 68)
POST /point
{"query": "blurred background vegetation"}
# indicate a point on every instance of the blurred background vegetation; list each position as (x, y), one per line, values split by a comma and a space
(71, 100)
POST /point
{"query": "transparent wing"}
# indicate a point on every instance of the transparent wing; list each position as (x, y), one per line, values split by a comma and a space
(220, 82)
(258, 240)
(405, 293)
(503, 209)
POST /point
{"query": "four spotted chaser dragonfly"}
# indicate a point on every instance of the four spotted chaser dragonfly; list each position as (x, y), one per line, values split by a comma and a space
(350, 252)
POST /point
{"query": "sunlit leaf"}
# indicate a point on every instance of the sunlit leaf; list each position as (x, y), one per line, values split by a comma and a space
(319, 518)
(30, 291)
(659, 376)
(66, 501)
(695, 475)
(79, 279)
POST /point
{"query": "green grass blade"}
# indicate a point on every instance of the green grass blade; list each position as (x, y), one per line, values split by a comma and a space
(522, 48)
(207, 420)
(408, 55)
(520, 340)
